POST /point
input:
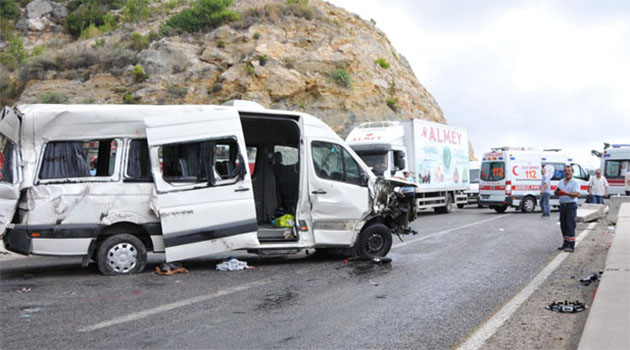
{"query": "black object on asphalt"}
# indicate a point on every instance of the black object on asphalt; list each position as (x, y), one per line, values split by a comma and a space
(566, 307)
(589, 279)
(382, 260)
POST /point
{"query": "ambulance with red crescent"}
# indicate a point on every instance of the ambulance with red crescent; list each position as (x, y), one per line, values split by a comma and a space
(615, 164)
(511, 177)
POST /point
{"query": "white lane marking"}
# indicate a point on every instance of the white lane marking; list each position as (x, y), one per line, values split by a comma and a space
(167, 307)
(488, 328)
(401, 244)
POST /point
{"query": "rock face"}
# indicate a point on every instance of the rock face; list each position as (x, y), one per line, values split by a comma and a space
(326, 61)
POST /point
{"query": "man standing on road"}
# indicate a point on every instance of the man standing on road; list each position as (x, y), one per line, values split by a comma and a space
(568, 190)
(545, 192)
(598, 187)
(627, 181)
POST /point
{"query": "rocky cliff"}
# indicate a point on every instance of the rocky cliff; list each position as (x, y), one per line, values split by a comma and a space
(297, 55)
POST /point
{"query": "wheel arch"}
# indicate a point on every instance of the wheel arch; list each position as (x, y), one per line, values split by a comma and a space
(122, 227)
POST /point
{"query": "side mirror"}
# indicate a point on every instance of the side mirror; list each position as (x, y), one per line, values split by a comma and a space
(364, 180)
(393, 172)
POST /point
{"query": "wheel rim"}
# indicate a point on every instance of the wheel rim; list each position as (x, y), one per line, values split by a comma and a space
(529, 205)
(375, 242)
(122, 257)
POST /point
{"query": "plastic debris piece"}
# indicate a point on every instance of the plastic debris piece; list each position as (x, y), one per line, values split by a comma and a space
(382, 260)
(233, 264)
(381, 296)
(589, 279)
(170, 269)
(501, 229)
(566, 307)
(23, 290)
(374, 283)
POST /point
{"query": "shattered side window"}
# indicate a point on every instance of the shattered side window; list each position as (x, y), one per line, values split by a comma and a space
(72, 159)
(216, 162)
(7, 158)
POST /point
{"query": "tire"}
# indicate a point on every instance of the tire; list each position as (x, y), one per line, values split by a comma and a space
(447, 208)
(460, 206)
(528, 204)
(121, 254)
(374, 241)
(500, 209)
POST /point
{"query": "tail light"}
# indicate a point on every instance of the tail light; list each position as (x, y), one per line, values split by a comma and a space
(508, 188)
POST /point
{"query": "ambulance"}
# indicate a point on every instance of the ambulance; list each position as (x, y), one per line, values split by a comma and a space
(511, 177)
(616, 163)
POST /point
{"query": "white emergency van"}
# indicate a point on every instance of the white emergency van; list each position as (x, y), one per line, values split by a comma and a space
(511, 177)
(472, 194)
(111, 182)
(615, 163)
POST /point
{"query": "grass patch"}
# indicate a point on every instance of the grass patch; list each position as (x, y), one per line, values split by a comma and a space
(54, 98)
(203, 15)
(342, 77)
(129, 99)
(382, 62)
(138, 74)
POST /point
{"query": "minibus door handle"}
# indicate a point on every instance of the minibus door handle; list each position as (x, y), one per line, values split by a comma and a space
(319, 192)
(241, 189)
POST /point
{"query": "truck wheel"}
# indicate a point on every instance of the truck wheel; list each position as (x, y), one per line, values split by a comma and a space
(528, 205)
(447, 207)
(374, 241)
(500, 209)
(460, 206)
(121, 254)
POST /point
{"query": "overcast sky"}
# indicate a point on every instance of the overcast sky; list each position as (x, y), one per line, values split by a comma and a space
(543, 74)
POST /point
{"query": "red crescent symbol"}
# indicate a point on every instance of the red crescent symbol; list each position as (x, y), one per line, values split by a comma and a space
(514, 170)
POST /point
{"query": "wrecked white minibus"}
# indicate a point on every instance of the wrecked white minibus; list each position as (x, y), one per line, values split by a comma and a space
(111, 182)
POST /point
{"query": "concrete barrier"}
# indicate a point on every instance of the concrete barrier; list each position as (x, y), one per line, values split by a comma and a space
(590, 212)
(608, 323)
(615, 202)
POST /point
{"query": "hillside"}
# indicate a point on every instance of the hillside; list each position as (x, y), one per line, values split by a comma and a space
(298, 55)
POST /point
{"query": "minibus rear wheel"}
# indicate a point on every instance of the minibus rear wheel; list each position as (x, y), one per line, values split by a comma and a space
(374, 241)
(121, 254)
(528, 205)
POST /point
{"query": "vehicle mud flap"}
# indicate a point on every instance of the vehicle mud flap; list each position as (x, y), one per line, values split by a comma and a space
(18, 241)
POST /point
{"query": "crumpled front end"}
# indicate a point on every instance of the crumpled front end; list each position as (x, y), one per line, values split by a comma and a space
(393, 203)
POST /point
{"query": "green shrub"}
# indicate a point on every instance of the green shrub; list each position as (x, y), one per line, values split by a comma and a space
(341, 77)
(373, 21)
(220, 44)
(139, 42)
(203, 15)
(263, 59)
(9, 9)
(7, 29)
(395, 55)
(382, 62)
(177, 91)
(92, 31)
(15, 54)
(298, 2)
(88, 13)
(54, 97)
(136, 10)
(256, 36)
(216, 87)
(138, 74)
(250, 68)
(129, 99)
(392, 103)
(37, 50)
(110, 22)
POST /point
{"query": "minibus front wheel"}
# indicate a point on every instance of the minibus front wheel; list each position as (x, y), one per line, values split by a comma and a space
(374, 241)
(121, 254)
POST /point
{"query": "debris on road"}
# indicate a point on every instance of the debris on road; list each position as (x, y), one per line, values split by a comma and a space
(23, 290)
(566, 307)
(170, 269)
(382, 260)
(233, 264)
(381, 296)
(374, 283)
(591, 278)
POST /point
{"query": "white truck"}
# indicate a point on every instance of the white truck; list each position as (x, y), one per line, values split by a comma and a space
(435, 155)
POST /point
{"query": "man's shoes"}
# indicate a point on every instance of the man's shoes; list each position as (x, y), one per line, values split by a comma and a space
(562, 248)
(569, 250)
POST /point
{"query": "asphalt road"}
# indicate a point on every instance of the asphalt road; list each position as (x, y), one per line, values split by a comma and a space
(441, 284)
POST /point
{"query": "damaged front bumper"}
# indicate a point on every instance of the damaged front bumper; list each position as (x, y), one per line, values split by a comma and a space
(393, 203)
